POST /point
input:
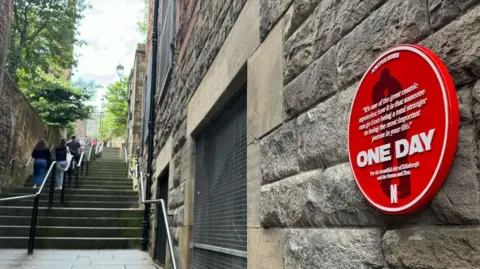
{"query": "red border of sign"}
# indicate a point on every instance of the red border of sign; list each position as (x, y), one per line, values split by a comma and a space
(451, 135)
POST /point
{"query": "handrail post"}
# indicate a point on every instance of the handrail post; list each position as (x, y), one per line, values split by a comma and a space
(52, 187)
(33, 225)
(169, 236)
(62, 195)
(76, 177)
(70, 176)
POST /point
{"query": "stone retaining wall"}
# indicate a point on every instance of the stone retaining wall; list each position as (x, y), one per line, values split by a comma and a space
(20, 129)
(304, 207)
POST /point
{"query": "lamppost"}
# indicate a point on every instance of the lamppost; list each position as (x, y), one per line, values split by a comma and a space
(120, 70)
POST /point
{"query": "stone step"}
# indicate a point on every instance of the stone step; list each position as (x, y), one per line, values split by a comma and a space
(72, 242)
(72, 212)
(74, 191)
(83, 197)
(74, 203)
(83, 185)
(104, 175)
(72, 231)
(98, 182)
(69, 221)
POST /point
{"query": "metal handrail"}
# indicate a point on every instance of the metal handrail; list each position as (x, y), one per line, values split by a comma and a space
(36, 200)
(89, 154)
(23, 165)
(126, 156)
(81, 160)
(164, 211)
(35, 194)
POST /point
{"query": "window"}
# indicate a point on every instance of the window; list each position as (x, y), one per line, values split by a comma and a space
(220, 205)
(165, 43)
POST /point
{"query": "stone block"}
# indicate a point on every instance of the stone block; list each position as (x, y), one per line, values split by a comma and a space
(476, 103)
(254, 183)
(444, 11)
(330, 21)
(279, 153)
(333, 248)
(184, 256)
(264, 86)
(316, 199)
(179, 137)
(464, 97)
(270, 12)
(396, 22)
(178, 217)
(298, 12)
(317, 82)
(264, 248)
(176, 198)
(458, 45)
(322, 132)
(163, 158)
(241, 42)
(457, 202)
(433, 248)
(189, 196)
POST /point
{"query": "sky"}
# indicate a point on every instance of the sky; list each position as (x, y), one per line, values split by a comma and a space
(110, 31)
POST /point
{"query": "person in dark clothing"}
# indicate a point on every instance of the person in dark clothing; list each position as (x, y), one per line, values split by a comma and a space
(41, 154)
(74, 147)
(61, 158)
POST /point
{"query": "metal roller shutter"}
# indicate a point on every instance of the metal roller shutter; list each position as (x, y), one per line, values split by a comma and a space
(220, 205)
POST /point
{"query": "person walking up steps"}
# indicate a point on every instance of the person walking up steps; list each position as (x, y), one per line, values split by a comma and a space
(41, 154)
(61, 158)
(74, 147)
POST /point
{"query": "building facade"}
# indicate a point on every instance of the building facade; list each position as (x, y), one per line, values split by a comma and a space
(251, 136)
(135, 100)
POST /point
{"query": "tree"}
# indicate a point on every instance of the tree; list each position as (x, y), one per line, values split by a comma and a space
(58, 102)
(115, 122)
(142, 24)
(43, 36)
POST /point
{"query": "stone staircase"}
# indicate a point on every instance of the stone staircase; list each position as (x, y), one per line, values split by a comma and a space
(101, 213)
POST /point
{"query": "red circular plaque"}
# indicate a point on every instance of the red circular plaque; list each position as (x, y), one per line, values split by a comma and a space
(403, 129)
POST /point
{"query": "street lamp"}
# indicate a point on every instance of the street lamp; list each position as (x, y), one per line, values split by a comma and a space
(120, 69)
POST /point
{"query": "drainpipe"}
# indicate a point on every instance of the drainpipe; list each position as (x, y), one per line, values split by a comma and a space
(151, 126)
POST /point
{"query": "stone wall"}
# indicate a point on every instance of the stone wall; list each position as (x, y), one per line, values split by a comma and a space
(304, 207)
(308, 190)
(6, 7)
(201, 30)
(20, 129)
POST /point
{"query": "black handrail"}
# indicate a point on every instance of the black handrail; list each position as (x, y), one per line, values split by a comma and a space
(164, 211)
(23, 165)
(36, 200)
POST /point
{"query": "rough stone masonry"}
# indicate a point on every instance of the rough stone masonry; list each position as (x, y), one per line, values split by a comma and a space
(310, 212)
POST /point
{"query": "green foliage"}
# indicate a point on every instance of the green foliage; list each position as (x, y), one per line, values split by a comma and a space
(43, 36)
(58, 102)
(114, 123)
(142, 24)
